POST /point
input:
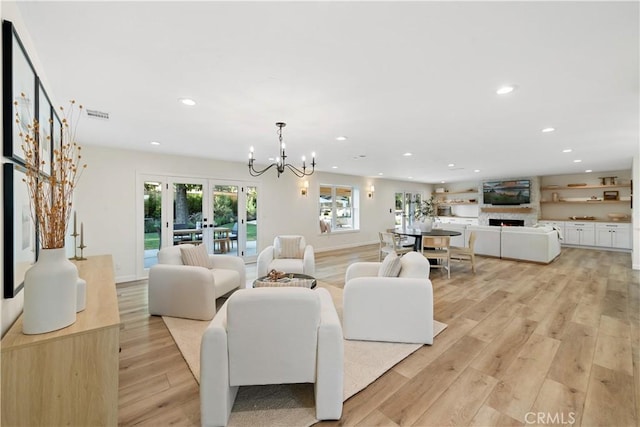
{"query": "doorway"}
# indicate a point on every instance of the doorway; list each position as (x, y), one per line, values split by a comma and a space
(179, 210)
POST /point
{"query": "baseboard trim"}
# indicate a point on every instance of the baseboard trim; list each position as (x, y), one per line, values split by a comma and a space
(346, 246)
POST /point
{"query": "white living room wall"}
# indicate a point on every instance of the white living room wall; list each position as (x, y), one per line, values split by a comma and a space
(635, 174)
(11, 308)
(106, 202)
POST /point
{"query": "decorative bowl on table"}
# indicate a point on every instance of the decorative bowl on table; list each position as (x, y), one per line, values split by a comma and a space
(617, 216)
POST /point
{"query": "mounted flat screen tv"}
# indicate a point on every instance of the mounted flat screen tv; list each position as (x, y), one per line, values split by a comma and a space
(515, 192)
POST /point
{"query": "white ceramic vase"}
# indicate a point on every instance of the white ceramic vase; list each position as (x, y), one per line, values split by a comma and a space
(426, 224)
(50, 293)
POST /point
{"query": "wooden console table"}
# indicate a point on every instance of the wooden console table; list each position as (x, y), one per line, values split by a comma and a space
(68, 376)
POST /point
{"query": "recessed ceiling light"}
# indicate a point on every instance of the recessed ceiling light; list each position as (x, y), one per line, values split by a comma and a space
(451, 165)
(442, 182)
(547, 130)
(588, 171)
(476, 170)
(505, 89)
(407, 154)
(567, 150)
(341, 138)
(409, 177)
(577, 161)
(187, 101)
(380, 173)
(154, 143)
(334, 167)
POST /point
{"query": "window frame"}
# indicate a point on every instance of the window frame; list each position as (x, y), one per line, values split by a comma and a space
(353, 208)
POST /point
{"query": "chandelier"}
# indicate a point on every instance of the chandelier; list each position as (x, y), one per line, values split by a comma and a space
(281, 160)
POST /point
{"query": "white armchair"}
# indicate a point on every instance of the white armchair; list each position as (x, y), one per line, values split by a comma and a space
(290, 254)
(393, 309)
(272, 336)
(190, 291)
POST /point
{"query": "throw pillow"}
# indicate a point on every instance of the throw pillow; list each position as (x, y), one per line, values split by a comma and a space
(390, 266)
(195, 255)
(290, 247)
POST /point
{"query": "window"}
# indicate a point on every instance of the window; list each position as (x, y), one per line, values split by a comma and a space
(338, 208)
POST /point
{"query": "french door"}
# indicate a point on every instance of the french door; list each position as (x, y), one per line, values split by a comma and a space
(179, 210)
(405, 208)
(234, 208)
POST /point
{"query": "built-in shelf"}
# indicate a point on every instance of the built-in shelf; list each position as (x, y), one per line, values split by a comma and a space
(457, 192)
(507, 210)
(588, 202)
(457, 203)
(580, 187)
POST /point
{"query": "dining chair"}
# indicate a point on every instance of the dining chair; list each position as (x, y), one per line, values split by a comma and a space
(403, 241)
(390, 243)
(437, 247)
(466, 253)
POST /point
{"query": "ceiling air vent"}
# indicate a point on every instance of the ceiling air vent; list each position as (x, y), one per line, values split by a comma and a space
(97, 114)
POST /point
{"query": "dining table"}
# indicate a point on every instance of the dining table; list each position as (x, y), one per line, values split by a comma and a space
(221, 237)
(417, 233)
(187, 235)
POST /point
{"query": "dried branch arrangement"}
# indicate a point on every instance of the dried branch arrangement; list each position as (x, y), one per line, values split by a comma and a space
(51, 196)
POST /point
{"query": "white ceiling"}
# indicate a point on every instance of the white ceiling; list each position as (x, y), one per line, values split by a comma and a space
(393, 77)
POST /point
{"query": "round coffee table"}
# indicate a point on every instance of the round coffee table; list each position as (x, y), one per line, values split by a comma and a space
(290, 279)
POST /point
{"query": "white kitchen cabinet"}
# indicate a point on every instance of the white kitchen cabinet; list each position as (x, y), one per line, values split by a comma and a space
(580, 233)
(612, 235)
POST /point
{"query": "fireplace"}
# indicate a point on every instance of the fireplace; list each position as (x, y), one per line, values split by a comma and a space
(507, 222)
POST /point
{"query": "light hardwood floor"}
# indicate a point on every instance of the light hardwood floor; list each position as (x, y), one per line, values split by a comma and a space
(527, 344)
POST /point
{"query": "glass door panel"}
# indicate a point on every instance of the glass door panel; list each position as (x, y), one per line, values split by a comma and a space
(225, 219)
(152, 222)
(251, 230)
(235, 219)
(188, 222)
(405, 208)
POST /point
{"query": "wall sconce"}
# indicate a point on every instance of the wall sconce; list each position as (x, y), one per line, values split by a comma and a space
(372, 189)
(304, 190)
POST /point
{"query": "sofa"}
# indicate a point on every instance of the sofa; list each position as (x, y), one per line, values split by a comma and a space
(487, 239)
(536, 244)
(190, 291)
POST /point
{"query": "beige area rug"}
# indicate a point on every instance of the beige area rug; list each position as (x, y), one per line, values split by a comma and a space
(293, 405)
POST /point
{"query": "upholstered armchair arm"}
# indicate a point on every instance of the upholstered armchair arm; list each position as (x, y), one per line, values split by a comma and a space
(229, 262)
(264, 259)
(216, 395)
(388, 309)
(362, 269)
(330, 365)
(309, 261)
(176, 285)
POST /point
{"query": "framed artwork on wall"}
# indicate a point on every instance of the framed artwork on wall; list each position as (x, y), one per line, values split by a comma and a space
(18, 78)
(19, 234)
(56, 132)
(45, 125)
